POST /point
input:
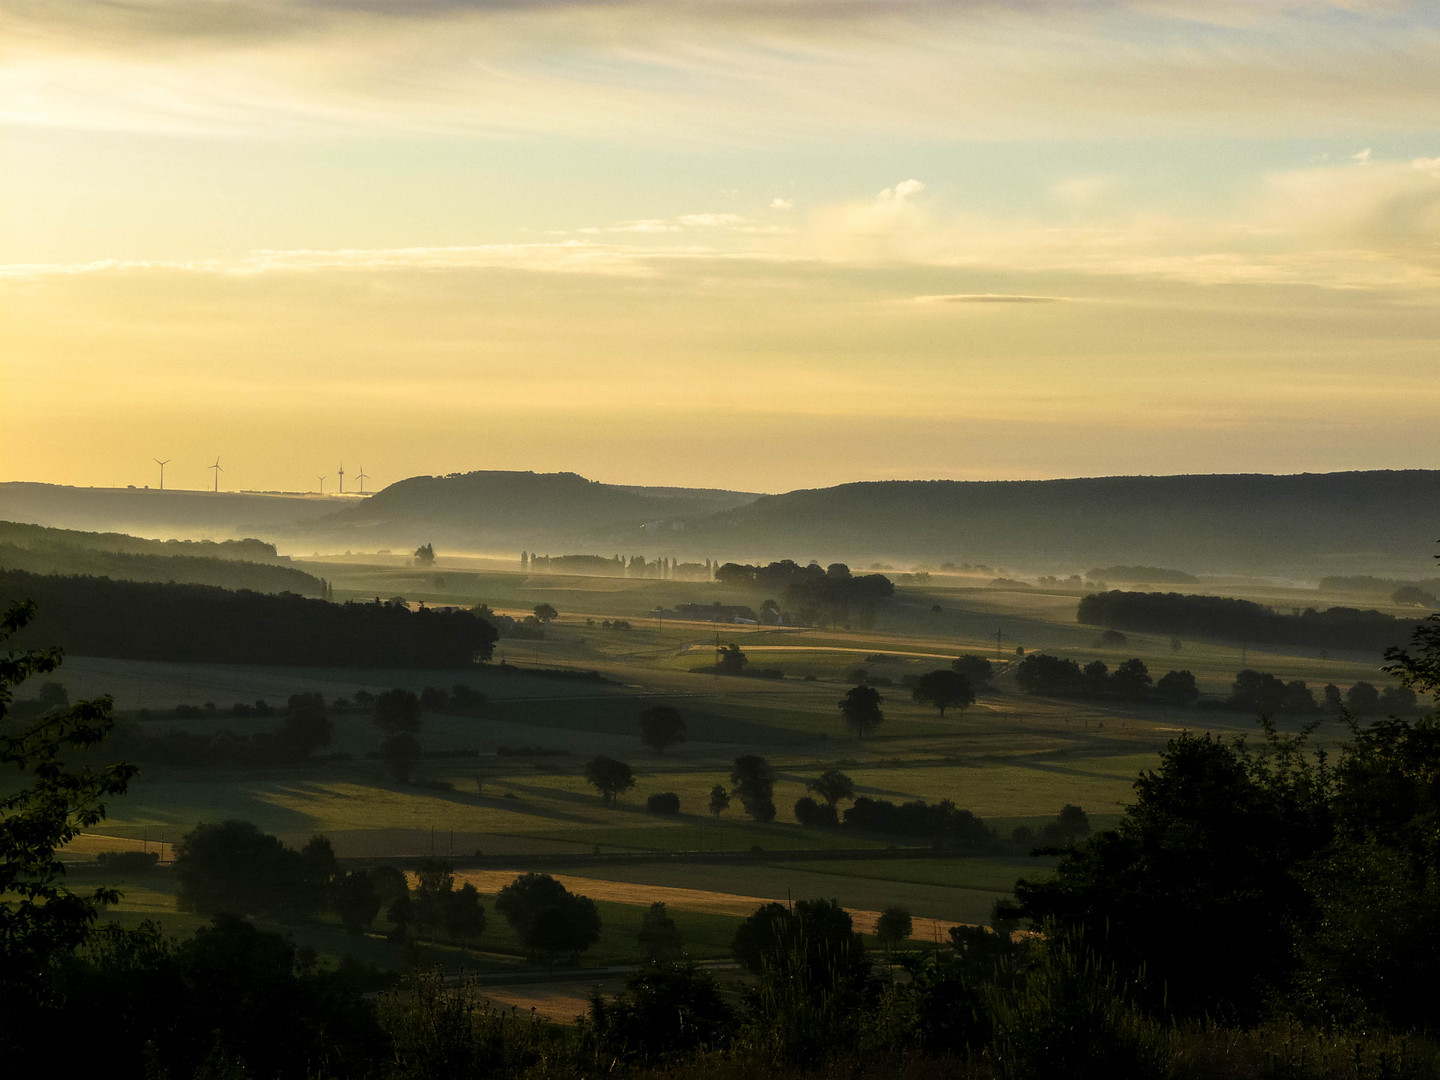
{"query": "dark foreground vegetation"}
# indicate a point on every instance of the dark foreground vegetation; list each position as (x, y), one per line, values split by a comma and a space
(148, 621)
(1258, 912)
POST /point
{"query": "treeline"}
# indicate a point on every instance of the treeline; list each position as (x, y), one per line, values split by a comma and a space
(40, 537)
(1056, 676)
(819, 596)
(943, 824)
(203, 624)
(1242, 620)
(1390, 587)
(227, 573)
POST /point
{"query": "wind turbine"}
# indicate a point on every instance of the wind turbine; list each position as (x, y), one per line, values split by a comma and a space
(342, 479)
(162, 465)
(217, 470)
(322, 484)
(361, 477)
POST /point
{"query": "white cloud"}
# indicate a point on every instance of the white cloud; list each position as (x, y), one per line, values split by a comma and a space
(901, 191)
(782, 204)
(645, 225)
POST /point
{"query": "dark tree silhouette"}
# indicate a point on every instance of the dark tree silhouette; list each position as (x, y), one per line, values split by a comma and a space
(545, 613)
(548, 918)
(41, 921)
(754, 782)
(719, 800)
(660, 941)
(307, 726)
(943, 689)
(894, 926)
(832, 785)
(661, 726)
(1178, 687)
(977, 670)
(356, 901)
(609, 776)
(860, 707)
(732, 661)
(397, 710)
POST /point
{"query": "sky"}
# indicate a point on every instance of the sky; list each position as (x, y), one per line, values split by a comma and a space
(753, 244)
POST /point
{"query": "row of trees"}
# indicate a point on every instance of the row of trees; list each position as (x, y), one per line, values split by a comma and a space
(196, 623)
(234, 868)
(1041, 673)
(226, 573)
(1242, 620)
(1265, 694)
(828, 596)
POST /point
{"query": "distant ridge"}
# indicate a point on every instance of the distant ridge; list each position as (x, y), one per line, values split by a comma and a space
(1235, 523)
(523, 509)
(1304, 526)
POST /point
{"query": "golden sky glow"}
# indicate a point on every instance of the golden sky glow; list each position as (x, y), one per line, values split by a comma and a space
(753, 245)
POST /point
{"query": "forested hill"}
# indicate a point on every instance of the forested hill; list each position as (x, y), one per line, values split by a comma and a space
(231, 564)
(519, 509)
(1207, 524)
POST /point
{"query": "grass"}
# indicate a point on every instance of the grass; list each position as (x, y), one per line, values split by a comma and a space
(1011, 759)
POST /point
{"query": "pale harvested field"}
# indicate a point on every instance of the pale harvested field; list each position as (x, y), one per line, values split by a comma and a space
(558, 1001)
(703, 900)
(949, 655)
(92, 844)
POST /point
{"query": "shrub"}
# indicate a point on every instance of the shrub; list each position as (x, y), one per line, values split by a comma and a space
(665, 802)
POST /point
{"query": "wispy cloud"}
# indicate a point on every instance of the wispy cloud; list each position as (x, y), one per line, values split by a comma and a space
(712, 69)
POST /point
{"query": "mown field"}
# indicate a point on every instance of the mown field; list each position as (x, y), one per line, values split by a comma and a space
(1012, 759)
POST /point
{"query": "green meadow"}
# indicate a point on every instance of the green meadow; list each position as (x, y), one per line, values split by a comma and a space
(506, 786)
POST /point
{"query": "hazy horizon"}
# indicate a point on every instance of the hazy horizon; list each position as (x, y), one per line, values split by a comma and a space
(748, 246)
(698, 485)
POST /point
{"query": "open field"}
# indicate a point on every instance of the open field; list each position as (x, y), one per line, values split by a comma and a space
(1012, 759)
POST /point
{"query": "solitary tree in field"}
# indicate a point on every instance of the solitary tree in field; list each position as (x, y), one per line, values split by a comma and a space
(894, 926)
(425, 555)
(861, 709)
(754, 782)
(719, 800)
(732, 661)
(943, 689)
(544, 612)
(609, 776)
(661, 726)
